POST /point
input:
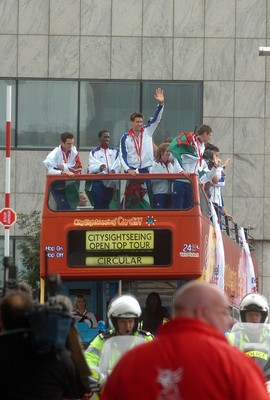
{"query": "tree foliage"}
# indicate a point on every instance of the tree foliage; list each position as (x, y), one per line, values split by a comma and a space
(30, 225)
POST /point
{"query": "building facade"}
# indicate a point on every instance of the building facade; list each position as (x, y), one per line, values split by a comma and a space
(101, 52)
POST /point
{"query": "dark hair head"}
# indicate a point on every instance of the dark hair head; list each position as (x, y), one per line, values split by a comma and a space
(216, 149)
(208, 155)
(209, 146)
(100, 133)
(66, 135)
(204, 128)
(136, 115)
(153, 295)
(14, 308)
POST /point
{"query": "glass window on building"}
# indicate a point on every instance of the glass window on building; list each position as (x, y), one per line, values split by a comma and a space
(183, 107)
(45, 110)
(106, 105)
(3, 111)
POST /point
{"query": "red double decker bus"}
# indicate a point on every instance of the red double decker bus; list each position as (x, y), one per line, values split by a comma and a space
(130, 242)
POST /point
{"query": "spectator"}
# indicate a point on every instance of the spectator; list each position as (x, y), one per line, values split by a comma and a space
(103, 160)
(190, 358)
(154, 314)
(65, 160)
(81, 314)
(82, 200)
(24, 372)
(14, 307)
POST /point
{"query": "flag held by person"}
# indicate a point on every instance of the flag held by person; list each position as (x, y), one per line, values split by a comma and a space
(184, 143)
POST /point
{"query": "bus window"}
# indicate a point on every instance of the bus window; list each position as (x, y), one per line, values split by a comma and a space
(121, 194)
(204, 202)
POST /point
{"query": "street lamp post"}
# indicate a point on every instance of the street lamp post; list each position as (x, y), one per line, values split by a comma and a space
(264, 51)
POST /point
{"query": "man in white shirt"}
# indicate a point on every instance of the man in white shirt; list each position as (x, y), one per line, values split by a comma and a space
(136, 145)
(64, 160)
(103, 159)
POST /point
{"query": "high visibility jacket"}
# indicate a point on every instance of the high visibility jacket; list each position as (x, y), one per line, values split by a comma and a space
(93, 352)
(241, 340)
(259, 350)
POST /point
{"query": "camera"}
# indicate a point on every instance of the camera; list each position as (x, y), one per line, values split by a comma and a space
(49, 326)
(51, 322)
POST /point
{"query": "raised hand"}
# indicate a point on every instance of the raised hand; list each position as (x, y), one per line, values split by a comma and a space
(159, 95)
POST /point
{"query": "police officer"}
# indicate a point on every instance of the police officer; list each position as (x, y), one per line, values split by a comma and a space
(251, 334)
(124, 314)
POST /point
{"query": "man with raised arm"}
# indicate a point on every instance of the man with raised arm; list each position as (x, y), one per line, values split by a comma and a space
(136, 145)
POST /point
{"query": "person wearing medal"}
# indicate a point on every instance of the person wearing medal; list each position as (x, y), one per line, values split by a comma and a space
(194, 162)
(162, 189)
(103, 159)
(190, 156)
(137, 155)
(64, 160)
(136, 146)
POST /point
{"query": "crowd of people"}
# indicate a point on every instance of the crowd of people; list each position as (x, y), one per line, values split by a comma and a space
(40, 355)
(186, 354)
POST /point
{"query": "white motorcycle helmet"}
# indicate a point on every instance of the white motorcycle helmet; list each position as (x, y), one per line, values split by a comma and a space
(254, 302)
(124, 306)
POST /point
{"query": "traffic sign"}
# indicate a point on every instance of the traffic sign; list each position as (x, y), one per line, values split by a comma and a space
(7, 217)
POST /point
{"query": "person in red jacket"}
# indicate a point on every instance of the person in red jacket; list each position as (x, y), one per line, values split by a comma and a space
(190, 358)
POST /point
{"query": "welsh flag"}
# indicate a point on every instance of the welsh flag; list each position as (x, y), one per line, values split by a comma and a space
(183, 144)
(218, 276)
(114, 204)
(250, 273)
(136, 195)
(72, 193)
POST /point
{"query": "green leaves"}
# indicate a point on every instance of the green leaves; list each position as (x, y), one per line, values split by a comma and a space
(30, 225)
